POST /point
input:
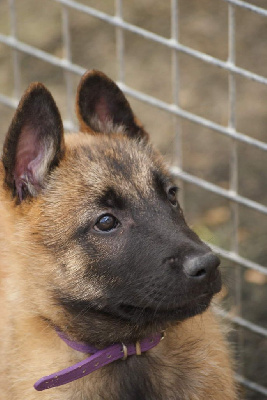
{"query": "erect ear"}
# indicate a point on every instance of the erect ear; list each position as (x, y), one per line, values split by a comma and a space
(34, 143)
(102, 107)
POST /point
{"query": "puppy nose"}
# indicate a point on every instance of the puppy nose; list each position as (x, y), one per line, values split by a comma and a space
(202, 267)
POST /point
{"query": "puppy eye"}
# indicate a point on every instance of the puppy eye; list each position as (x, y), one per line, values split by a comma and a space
(106, 223)
(172, 195)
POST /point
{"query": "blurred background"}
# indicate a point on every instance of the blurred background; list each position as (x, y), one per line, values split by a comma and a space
(210, 102)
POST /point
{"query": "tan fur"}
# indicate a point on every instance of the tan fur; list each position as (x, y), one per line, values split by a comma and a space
(193, 357)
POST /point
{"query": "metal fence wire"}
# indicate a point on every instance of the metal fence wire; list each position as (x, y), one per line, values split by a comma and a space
(173, 109)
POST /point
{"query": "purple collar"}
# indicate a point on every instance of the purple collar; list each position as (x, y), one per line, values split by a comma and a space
(97, 359)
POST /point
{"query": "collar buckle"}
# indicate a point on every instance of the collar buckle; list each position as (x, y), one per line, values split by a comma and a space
(138, 350)
(125, 352)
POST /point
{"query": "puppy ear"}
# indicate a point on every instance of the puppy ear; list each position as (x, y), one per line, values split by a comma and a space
(34, 143)
(102, 107)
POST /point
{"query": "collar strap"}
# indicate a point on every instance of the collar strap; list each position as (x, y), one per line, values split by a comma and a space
(97, 359)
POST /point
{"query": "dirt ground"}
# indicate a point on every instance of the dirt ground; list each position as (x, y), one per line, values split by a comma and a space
(203, 91)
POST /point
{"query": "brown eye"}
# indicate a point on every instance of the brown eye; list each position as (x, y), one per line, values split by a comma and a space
(106, 223)
(172, 195)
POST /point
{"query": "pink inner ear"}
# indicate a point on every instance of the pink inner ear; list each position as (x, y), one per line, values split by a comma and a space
(102, 110)
(27, 150)
(28, 158)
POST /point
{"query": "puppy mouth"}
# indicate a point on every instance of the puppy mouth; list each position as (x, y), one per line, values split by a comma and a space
(134, 318)
(139, 315)
(161, 313)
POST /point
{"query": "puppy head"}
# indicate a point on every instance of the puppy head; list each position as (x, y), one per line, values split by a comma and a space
(117, 259)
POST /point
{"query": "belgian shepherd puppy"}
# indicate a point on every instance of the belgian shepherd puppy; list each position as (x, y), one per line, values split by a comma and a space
(97, 261)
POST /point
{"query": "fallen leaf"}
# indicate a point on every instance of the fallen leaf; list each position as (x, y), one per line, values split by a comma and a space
(256, 277)
(217, 216)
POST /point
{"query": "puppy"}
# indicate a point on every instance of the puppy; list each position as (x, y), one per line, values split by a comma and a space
(97, 263)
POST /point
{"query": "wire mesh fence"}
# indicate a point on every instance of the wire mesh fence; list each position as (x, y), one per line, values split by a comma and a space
(67, 21)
